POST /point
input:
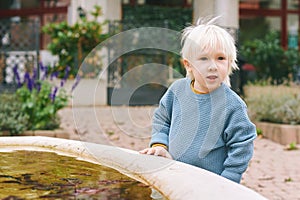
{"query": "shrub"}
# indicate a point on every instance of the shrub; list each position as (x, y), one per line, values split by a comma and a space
(270, 59)
(11, 119)
(277, 104)
(72, 43)
(41, 98)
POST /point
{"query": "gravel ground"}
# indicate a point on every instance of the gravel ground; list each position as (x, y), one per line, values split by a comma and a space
(274, 172)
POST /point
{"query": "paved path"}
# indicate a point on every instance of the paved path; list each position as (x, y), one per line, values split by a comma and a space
(273, 172)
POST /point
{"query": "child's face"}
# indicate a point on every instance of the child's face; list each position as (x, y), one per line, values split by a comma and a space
(209, 68)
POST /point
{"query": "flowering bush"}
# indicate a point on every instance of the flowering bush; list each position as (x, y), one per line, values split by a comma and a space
(40, 98)
(276, 104)
(72, 43)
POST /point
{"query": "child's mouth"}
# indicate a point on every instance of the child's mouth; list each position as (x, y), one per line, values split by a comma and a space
(212, 77)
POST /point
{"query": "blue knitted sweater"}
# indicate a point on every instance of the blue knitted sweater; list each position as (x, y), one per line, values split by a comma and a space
(211, 131)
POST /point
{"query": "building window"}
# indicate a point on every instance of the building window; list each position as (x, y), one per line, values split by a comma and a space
(171, 3)
(280, 15)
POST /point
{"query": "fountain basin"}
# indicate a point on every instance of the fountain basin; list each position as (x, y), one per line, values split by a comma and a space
(174, 180)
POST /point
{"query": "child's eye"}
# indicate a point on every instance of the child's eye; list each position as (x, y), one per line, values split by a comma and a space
(203, 58)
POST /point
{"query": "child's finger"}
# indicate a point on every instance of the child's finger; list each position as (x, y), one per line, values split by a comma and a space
(151, 151)
(158, 153)
(144, 151)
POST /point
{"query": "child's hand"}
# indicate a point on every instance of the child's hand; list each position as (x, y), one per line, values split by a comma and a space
(157, 151)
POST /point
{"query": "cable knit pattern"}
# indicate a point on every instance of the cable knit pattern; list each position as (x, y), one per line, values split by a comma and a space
(211, 131)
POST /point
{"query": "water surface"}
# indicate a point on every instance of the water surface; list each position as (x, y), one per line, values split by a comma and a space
(46, 175)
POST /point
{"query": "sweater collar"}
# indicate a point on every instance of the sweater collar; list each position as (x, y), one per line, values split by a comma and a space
(219, 92)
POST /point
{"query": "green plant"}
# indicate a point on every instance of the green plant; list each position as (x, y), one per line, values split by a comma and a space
(11, 119)
(259, 132)
(110, 133)
(174, 18)
(72, 43)
(277, 104)
(41, 107)
(41, 98)
(289, 179)
(270, 59)
(292, 146)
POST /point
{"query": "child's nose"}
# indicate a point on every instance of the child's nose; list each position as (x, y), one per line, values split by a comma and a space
(212, 66)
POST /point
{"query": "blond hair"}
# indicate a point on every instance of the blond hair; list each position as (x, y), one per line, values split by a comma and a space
(205, 35)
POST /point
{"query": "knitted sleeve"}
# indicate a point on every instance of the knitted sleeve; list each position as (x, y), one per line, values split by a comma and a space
(239, 135)
(162, 120)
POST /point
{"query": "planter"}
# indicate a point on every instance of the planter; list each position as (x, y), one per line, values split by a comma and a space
(281, 133)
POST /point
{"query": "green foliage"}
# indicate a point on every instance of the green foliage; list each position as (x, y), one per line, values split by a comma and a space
(11, 119)
(292, 146)
(259, 132)
(72, 43)
(270, 59)
(41, 98)
(276, 104)
(175, 18)
(289, 179)
(41, 105)
(251, 28)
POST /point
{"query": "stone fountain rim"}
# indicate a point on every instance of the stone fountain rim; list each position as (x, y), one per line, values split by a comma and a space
(175, 180)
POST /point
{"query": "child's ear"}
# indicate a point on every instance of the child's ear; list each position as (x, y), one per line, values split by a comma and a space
(187, 65)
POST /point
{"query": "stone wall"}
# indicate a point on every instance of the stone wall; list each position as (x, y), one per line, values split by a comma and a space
(281, 133)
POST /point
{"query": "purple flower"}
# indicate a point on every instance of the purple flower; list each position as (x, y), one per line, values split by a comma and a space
(38, 87)
(42, 67)
(67, 71)
(28, 80)
(44, 70)
(64, 79)
(75, 83)
(35, 73)
(16, 73)
(62, 82)
(53, 75)
(34, 77)
(53, 93)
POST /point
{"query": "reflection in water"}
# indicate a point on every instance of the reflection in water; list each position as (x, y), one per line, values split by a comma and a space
(155, 195)
(45, 175)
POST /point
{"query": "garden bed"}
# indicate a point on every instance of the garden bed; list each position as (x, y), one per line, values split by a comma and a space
(281, 133)
(275, 111)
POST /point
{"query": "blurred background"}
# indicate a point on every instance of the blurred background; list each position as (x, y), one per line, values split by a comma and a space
(61, 33)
